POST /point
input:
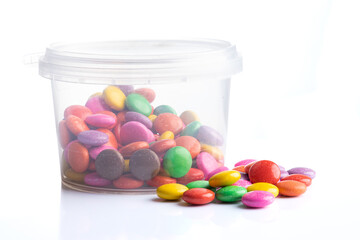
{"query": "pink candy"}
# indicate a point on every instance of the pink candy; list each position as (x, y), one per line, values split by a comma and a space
(206, 163)
(101, 120)
(95, 151)
(242, 183)
(212, 173)
(244, 162)
(257, 199)
(93, 179)
(135, 132)
(97, 104)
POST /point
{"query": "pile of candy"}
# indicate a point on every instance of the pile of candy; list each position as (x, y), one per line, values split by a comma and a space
(255, 183)
(119, 141)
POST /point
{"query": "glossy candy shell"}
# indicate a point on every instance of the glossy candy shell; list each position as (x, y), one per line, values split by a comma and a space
(198, 196)
(230, 193)
(171, 191)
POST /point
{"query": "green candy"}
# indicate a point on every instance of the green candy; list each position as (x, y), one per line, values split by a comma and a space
(177, 162)
(199, 184)
(230, 193)
(191, 129)
(164, 109)
(138, 103)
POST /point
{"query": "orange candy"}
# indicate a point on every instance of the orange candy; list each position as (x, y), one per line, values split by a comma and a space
(247, 167)
(76, 125)
(162, 146)
(78, 157)
(299, 177)
(121, 117)
(127, 181)
(291, 188)
(190, 143)
(240, 168)
(157, 181)
(112, 139)
(129, 149)
(64, 134)
(168, 122)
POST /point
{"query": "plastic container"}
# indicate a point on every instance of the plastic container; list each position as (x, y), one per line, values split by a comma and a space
(184, 74)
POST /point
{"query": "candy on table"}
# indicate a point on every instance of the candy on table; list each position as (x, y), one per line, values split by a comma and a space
(299, 177)
(257, 199)
(230, 193)
(264, 171)
(225, 178)
(263, 186)
(291, 188)
(144, 164)
(244, 162)
(242, 183)
(171, 191)
(199, 184)
(198, 196)
(304, 171)
(219, 169)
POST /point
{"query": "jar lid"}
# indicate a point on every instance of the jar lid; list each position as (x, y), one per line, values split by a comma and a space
(140, 61)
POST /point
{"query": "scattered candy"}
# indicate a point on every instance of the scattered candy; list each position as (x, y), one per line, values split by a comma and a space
(230, 193)
(304, 171)
(257, 199)
(171, 191)
(263, 186)
(291, 188)
(264, 171)
(225, 178)
(198, 196)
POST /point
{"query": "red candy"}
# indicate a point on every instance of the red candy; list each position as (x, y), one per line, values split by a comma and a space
(190, 143)
(112, 139)
(127, 181)
(264, 171)
(77, 110)
(159, 180)
(75, 124)
(194, 174)
(198, 196)
(168, 122)
(129, 149)
(300, 178)
(162, 146)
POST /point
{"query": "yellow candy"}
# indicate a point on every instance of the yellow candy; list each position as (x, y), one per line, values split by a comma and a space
(188, 117)
(74, 176)
(167, 135)
(152, 117)
(171, 191)
(96, 94)
(114, 98)
(263, 186)
(213, 151)
(225, 178)
(127, 165)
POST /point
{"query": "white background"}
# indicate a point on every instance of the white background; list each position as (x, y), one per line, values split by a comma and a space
(297, 103)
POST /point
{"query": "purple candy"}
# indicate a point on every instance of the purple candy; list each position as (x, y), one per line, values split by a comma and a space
(126, 89)
(304, 171)
(138, 117)
(95, 151)
(97, 104)
(93, 179)
(283, 174)
(242, 183)
(281, 168)
(257, 199)
(212, 173)
(244, 162)
(100, 120)
(93, 138)
(209, 136)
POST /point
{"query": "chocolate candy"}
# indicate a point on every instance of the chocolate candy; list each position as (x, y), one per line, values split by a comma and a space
(109, 164)
(144, 164)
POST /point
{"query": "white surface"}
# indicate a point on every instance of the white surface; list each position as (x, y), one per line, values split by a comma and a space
(296, 103)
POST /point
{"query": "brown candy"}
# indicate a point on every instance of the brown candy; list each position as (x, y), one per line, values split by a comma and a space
(144, 164)
(110, 164)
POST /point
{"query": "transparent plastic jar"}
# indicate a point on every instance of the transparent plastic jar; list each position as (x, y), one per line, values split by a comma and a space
(191, 76)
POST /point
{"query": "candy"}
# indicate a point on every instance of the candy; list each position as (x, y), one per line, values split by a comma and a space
(148, 93)
(135, 132)
(158, 181)
(291, 188)
(198, 196)
(230, 193)
(126, 89)
(162, 146)
(152, 117)
(144, 164)
(95, 151)
(214, 151)
(112, 139)
(177, 161)
(74, 176)
(193, 175)
(101, 121)
(167, 135)
(78, 111)
(126, 165)
(264, 171)
(225, 178)
(304, 171)
(189, 117)
(93, 138)
(216, 171)
(263, 186)
(171, 191)
(299, 177)
(138, 103)
(190, 143)
(206, 163)
(75, 124)
(168, 122)
(78, 157)
(283, 174)
(257, 199)
(199, 184)
(127, 181)
(93, 179)
(114, 98)
(164, 109)
(210, 136)
(64, 134)
(131, 148)
(138, 117)
(109, 164)
(96, 104)
(244, 162)
(191, 129)
(242, 183)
